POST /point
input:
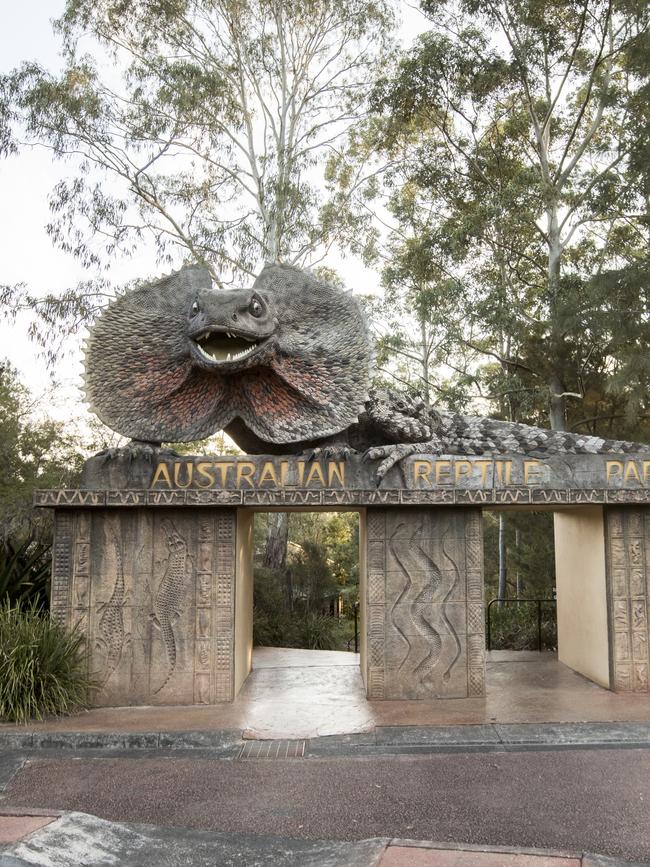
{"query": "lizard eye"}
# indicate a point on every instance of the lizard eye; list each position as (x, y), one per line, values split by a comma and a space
(255, 307)
(194, 309)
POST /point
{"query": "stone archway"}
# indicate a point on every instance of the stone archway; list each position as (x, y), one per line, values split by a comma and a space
(152, 564)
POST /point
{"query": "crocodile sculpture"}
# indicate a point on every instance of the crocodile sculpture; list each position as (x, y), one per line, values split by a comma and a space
(282, 367)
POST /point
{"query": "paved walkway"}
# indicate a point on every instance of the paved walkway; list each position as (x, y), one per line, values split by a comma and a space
(74, 839)
(462, 770)
(302, 693)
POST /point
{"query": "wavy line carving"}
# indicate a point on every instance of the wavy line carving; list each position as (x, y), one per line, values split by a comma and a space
(402, 594)
(443, 607)
(418, 604)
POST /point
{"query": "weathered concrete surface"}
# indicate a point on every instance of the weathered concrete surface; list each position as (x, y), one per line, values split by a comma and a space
(382, 740)
(80, 840)
(424, 604)
(77, 839)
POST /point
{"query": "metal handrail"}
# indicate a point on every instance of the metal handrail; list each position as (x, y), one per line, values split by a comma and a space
(540, 602)
(356, 629)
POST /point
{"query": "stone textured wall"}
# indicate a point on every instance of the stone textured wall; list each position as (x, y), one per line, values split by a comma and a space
(153, 592)
(628, 584)
(425, 612)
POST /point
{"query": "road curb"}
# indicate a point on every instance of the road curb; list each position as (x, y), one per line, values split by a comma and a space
(218, 740)
(384, 740)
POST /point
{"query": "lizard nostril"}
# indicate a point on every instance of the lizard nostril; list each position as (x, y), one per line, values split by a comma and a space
(234, 316)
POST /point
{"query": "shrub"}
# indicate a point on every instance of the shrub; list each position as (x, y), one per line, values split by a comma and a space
(317, 632)
(43, 668)
(309, 631)
(514, 627)
(271, 628)
(25, 571)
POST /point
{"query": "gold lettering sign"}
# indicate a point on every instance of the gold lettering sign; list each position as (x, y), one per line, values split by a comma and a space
(247, 474)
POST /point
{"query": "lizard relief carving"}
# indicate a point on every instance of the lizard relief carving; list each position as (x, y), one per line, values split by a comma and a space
(168, 602)
(282, 367)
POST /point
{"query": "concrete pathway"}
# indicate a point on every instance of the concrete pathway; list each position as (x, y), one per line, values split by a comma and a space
(80, 840)
(547, 759)
(301, 694)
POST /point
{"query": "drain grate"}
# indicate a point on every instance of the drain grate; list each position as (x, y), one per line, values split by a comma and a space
(273, 750)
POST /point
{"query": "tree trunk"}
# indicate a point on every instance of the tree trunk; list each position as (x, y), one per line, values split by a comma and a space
(424, 339)
(502, 559)
(557, 409)
(275, 555)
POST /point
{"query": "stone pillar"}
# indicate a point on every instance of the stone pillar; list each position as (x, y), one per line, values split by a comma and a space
(627, 533)
(581, 584)
(424, 603)
(153, 592)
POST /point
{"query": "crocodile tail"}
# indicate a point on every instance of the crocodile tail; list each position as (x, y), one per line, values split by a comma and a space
(170, 647)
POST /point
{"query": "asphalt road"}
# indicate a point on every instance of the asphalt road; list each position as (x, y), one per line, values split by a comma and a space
(594, 800)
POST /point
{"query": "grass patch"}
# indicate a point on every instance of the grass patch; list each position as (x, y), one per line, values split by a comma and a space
(43, 667)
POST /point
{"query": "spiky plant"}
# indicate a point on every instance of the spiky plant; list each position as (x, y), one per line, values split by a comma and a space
(43, 667)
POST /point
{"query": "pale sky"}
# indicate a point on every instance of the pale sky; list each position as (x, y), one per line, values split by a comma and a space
(27, 254)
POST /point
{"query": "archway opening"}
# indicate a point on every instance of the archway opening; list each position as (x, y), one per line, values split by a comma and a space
(302, 674)
(520, 585)
(546, 610)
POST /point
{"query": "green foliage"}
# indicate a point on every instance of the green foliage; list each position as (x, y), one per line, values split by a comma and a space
(208, 131)
(530, 553)
(25, 569)
(36, 452)
(514, 627)
(277, 627)
(318, 632)
(515, 142)
(293, 604)
(43, 669)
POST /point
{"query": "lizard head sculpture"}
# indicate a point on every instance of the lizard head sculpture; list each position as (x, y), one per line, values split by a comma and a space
(284, 361)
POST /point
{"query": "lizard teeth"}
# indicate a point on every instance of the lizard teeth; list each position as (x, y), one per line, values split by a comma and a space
(221, 354)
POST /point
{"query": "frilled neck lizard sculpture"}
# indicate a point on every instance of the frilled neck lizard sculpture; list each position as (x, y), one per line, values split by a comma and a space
(282, 367)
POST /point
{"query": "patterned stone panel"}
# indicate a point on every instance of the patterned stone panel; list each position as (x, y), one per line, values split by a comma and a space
(375, 601)
(153, 590)
(628, 560)
(425, 621)
(62, 567)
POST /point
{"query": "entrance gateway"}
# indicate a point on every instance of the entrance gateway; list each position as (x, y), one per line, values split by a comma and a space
(152, 557)
(153, 563)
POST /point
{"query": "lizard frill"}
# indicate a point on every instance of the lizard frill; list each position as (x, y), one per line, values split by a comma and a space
(149, 378)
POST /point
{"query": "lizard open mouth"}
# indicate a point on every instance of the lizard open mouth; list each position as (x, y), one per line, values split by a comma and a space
(220, 346)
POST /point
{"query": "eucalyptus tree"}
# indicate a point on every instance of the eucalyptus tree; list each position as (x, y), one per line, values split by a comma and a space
(201, 125)
(527, 125)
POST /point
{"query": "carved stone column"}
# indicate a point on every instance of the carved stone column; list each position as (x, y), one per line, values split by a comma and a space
(153, 592)
(627, 530)
(424, 603)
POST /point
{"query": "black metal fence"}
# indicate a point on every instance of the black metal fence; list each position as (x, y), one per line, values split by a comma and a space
(355, 637)
(540, 603)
